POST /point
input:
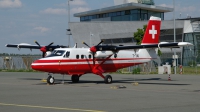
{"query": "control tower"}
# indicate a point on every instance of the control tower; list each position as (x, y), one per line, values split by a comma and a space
(147, 2)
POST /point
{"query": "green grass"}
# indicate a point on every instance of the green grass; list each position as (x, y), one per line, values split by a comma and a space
(190, 70)
(17, 70)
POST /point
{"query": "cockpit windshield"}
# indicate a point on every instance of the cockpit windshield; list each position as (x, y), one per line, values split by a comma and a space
(56, 53)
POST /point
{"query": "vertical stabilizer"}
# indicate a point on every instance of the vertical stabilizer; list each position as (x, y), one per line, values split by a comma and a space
(152, 32)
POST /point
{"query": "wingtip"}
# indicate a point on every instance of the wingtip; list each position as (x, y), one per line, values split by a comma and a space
(185, 44)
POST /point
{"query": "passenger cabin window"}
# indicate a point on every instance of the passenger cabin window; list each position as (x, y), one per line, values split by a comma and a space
(67, 54)
(77, 56)
(90, 56)
(82, 56)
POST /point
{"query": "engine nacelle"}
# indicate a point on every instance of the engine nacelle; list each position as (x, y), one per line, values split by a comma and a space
(103, 54)
(47, 53)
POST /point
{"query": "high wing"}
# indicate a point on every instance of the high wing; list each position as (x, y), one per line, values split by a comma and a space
(150, 40)
(43, 49)
(160, 45)
(29, 46)
(23, 45)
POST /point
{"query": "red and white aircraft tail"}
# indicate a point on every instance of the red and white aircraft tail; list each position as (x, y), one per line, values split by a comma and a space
(152, 32)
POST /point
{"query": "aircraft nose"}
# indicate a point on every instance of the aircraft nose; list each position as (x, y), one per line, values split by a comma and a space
(35, 65)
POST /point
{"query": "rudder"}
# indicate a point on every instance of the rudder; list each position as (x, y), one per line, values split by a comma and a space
(152, 32)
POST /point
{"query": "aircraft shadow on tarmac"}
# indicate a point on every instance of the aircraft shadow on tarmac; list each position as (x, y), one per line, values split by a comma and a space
(122, 81)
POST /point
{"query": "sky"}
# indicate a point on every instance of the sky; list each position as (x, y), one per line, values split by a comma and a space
(46, 21)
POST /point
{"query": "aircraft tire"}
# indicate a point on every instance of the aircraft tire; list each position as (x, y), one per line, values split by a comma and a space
(50, 80)
(75, 78)
(108, 79)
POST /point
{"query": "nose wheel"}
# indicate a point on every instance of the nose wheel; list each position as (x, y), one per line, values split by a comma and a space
(50, 80)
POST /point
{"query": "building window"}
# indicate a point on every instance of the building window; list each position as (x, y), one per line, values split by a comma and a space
(135, 11)
(113, 14)
(118, 13)
(100, 15)
(126, 18)
(127, 12)
(122, 13)
(94, 16)
(86, 18)
(82, 19)
(90, 17)
(117, 18)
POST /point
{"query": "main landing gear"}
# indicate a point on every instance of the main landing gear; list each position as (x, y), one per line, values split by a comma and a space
(108, 79)
(75, 79)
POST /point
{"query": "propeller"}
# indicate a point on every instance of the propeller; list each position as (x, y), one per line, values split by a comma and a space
(37, 43)
(50, 44)
(86, 44)
(43, 48)
(93, 49)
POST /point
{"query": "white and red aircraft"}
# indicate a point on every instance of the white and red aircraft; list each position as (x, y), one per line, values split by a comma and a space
(101, 59)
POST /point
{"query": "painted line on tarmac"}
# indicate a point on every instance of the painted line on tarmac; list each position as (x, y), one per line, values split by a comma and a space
(44, 107)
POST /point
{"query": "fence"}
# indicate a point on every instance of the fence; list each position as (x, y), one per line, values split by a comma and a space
(17, 62)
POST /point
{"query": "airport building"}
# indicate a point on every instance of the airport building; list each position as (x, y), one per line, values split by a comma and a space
(117, 24)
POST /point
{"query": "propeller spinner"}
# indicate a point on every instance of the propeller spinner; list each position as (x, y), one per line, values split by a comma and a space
(93, 49)
(43, 48)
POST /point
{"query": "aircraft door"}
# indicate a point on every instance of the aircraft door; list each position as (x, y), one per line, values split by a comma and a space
(65, 64)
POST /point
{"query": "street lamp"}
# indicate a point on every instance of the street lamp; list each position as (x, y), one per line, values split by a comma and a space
(174, 34)
(68, 21)
(90, 38)
(195, 55)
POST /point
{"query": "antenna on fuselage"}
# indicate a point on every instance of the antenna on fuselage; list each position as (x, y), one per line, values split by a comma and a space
(75, 46)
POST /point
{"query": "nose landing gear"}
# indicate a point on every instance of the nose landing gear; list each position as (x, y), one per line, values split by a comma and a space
(50, 80)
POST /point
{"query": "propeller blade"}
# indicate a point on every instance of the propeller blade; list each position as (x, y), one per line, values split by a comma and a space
(37, 43)
(43, 54)
(86, 44)
(93, 58)
(100, 43)
(50, 44)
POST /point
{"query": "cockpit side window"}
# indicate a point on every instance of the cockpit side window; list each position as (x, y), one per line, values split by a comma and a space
(67, 54)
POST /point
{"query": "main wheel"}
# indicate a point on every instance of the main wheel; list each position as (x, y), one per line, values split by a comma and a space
(108, 79)
(75, 78)
(50, 80)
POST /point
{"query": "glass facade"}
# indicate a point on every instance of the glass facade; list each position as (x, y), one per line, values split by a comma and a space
(126, 15)
(191, 54)
(147, 2)
(118, 40)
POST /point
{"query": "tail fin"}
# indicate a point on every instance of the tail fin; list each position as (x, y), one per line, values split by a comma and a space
(152, 32)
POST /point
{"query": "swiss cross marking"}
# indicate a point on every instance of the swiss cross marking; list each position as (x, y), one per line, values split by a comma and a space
(153, 32)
